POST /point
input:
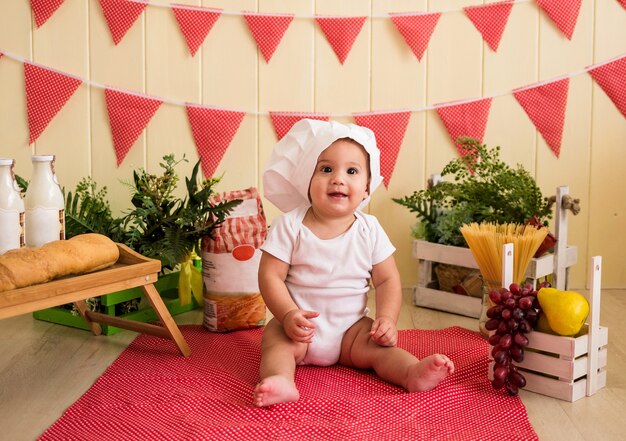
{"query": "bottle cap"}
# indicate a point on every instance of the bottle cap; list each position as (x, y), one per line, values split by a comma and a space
(42, 158)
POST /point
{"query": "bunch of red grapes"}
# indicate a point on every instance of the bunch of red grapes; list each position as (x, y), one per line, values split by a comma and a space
(514, 314)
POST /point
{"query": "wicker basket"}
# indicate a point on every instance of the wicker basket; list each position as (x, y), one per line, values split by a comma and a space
(458, 279)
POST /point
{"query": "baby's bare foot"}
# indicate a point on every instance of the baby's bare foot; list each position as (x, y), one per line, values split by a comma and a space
(273, 390)
(428, 373)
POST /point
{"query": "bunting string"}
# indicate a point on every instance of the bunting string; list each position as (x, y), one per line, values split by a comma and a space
(268, 29)
(48, 90)
(331, 115)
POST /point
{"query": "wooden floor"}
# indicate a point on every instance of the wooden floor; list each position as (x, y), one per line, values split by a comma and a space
(44, 368)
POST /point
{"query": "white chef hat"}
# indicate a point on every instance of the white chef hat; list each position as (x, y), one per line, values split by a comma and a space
(288, 172)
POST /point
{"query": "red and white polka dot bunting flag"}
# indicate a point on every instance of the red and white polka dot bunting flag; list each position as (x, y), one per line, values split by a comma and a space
(564, 14)
(545, 106)
(283, 121)
(120, 16)
(611, 77)
(341, 33)
(43, 10)
(490, 20)
(416, 29)
(623, 3)
(268, 30)
(195, 24)
(213, 130)
(129, 114)
(467, 119)
(389, 129)
(47, 92)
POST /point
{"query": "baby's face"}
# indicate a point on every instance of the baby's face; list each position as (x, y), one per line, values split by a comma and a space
(340, 181)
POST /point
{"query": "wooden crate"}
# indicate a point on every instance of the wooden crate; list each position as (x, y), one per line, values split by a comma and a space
(569, 368)
(426, 293)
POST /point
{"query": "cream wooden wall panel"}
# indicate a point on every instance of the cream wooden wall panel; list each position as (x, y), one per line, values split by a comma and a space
(514, 65)
(343, 89)
(606, 213)
(399, 83)
(122, 67)
(559, 56)
(15, 37)
(171, 73)
(454, 73)
(67, 135)
(230, 80)
(286, 83)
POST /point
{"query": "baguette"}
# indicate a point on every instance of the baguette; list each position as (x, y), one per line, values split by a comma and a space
(81, 254)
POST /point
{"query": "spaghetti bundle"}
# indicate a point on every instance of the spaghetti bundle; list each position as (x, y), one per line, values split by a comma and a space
(485, 240)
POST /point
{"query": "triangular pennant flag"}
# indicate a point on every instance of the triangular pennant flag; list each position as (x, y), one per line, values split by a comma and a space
(416, 29)
(545, 106)
(341, 33)
(120, 15)
(623, 3)
(213, 130)
(129, 114)
(47, 92)
(490, 20)
(564, 14)
(611, 77)
(468, 119)
(389, 129)
(195, 24)
(43, 10)
(268, 30)
(283, 121)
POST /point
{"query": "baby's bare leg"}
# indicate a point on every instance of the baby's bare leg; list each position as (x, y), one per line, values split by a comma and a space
(278, 364)
(392, 364)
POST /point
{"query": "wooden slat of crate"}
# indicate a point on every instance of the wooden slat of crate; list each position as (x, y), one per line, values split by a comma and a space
(560, 389)
(564, 369)
(447, 301)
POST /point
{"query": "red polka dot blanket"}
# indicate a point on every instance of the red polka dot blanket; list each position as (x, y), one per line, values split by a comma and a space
(152, 393)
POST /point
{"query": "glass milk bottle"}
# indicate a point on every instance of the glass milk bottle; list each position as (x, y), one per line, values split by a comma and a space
(11, 209)
(45, 207)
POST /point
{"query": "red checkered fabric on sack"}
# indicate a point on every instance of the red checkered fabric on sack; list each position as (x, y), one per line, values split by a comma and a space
(152, 393)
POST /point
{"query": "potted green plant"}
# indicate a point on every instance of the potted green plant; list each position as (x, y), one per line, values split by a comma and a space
(159, 225)
(477, 187)
(483, 188)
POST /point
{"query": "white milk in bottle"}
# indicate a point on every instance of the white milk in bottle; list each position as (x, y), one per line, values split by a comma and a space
(45, 207)
(11, 209)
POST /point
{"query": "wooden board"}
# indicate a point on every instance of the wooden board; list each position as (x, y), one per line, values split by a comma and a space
(131, 270)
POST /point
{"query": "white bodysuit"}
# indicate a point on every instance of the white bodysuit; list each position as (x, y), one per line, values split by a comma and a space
(328, 276)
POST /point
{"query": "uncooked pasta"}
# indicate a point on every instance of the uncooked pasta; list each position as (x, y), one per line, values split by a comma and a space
(485, 240)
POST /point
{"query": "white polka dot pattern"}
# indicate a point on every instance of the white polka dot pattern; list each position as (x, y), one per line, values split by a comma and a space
(268, 31)
(490, 20)
(129, 114)
(195, 24)
(283, 121)
(43, 10)
(564, 14)
(120, 16)
(152, 393)
(389, 129)
(213, 130)
(47, 92)
(545, 106)
(340, 33)
(467, 119)
(416, 30)
(610, 77)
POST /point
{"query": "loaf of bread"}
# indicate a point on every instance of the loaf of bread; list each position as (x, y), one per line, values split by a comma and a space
(78, 255)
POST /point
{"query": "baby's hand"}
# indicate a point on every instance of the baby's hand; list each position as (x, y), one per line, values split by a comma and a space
(384, 331)
(297, 325)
